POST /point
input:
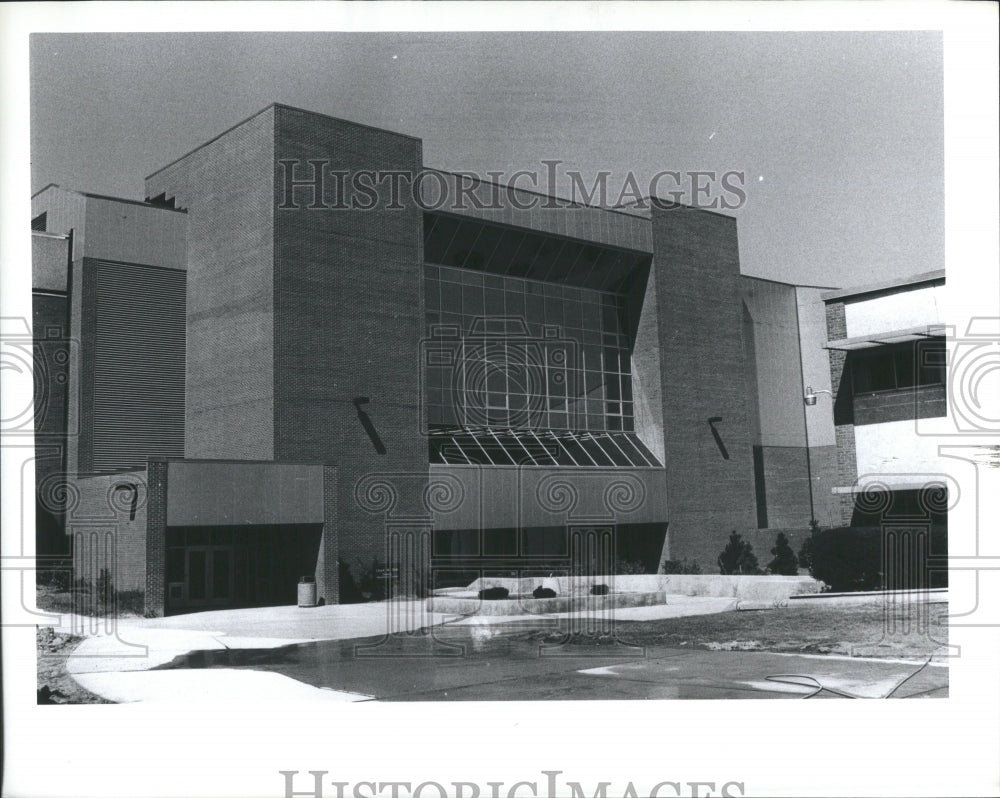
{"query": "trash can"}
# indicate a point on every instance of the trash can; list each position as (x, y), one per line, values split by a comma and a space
(307, 591)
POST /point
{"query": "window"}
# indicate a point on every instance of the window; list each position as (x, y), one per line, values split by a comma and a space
(525, 354)
(484, 446)
(899, 367)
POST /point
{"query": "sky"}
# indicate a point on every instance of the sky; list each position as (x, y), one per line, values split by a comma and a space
(839, 135)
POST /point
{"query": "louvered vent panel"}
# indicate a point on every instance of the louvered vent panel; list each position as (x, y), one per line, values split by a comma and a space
(138, 365)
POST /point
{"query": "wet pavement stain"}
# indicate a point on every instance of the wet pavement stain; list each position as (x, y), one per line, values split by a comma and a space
(524, 662)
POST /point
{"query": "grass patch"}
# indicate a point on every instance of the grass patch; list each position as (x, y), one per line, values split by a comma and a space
(84, 601)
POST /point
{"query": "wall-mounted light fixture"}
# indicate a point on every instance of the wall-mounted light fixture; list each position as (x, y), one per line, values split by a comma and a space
(810, 397)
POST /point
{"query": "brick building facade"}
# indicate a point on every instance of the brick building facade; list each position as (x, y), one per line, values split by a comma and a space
(283, 367)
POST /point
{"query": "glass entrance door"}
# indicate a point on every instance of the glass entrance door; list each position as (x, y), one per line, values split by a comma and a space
(209, 575)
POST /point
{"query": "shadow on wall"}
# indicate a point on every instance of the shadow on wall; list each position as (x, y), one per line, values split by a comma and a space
(366, 422)
(718, 438)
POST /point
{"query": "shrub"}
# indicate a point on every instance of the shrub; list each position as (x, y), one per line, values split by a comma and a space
(599, 590)
(785, 562)
(493, 593)
(850, 558)
(371, 586)
(543, 592)
(680, 567)
(131, 601)
(629, 567)
(419, 582)
(350, 593)
(105, 593)
(738, 557)
(58, 576)
(847, 558)
(806, 552)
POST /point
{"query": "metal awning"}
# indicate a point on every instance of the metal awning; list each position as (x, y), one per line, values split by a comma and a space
(887, 337)
(890, 482)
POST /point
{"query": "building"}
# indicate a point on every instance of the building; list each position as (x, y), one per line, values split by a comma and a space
(888, 365)
(279, 365)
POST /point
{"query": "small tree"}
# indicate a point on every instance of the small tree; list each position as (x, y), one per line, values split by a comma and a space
(629, 567)
(105, 593)
(785, 562)
(738, 557)
(806, 553)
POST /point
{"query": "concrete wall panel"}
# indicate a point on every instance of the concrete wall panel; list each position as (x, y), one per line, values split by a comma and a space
(508, 497)
(227, 187)
(911, 306)
(207, 494)
(49, 262)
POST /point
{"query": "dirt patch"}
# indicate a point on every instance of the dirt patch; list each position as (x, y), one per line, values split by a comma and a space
(55, 685)
(735, 645)
(869, 630)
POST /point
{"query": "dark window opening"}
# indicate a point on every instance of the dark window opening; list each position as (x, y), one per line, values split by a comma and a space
(498, 250)
(900, 366)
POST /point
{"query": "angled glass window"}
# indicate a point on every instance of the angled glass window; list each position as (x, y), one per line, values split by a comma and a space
(501, 354)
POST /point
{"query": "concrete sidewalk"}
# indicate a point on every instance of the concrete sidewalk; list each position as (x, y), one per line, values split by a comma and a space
(116, 659)
(133, 644)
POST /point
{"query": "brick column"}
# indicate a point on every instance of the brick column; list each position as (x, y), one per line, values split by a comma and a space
(843, 408)
(328, 569)
(156, 537)
(706, 417)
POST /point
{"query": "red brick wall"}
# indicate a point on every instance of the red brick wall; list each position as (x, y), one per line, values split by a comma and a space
(108, 530)
(156, 537)
(696, 260)
(53, 353)
(843, 410)
(327, 569)
(348, 322)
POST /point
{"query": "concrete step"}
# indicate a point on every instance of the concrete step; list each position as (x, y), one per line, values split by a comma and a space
(471, 604)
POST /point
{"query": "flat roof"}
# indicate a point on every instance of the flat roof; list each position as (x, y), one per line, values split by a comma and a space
(109, 198)
(563, 201)
(888, 337)
(47, 234)
(622, 209)
(286, 107)
(887, 285)
(786, 283)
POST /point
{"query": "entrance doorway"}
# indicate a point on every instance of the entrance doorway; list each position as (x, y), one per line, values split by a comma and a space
(238, 566)
(209, 575)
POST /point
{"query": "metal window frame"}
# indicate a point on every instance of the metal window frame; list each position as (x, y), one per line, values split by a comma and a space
(468, 443)
(521, 444)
